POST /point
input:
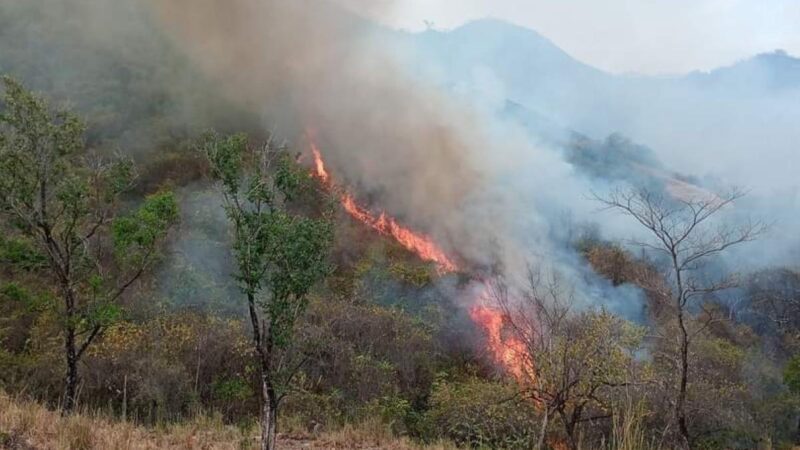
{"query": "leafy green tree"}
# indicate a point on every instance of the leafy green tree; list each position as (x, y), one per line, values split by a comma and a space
(280, 255)
(60, 200)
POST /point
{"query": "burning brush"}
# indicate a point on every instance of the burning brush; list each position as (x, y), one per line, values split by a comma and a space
(417, 243)
(507, 351)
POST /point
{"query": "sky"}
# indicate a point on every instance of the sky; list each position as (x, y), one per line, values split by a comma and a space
(622, 36)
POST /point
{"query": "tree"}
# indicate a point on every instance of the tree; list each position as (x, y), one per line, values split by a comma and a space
(791, 377)
(775, 295)
(685, 236)
(570, 361)
(280, 255)
(61, 200)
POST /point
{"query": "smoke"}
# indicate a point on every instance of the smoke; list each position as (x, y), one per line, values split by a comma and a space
(732, 126)
(438, 159)
(431, 152)
(113, 64)
(306, 64)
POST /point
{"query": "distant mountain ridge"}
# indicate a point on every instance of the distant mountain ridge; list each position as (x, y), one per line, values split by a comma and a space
(493, 40)
(776, 69)
(727, 115)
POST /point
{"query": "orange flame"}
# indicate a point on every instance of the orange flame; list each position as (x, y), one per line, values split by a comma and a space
(319, 164)
(417, 243)
(507, 350)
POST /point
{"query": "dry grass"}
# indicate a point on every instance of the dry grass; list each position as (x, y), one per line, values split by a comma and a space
(367, 435)
(27, 425)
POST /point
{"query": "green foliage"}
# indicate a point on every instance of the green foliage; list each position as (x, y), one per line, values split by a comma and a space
(791, 374)
(586, 355)
(274, 248)
(139, 232)
(480, 413)
(19, 253)
(392, 410)
(101, 314)
(31, 301)
(280, 255)
(232, 389)
(296, 258)
(226, 157)
(37, 147)
(59, 200)
(58, 196)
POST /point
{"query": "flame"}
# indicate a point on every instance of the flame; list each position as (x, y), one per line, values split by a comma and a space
(417, 243)
(319, 164)
(507, 350)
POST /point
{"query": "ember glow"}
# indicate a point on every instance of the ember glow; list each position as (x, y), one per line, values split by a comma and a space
(507, 350)
(417, 243)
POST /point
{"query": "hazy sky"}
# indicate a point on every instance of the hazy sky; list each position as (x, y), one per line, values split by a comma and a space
(644, 36)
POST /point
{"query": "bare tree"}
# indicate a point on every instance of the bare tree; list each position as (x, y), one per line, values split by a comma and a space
(775, 294)
(683, 233)
(571, 360)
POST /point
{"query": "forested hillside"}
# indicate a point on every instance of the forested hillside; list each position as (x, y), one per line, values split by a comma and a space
(177, 273)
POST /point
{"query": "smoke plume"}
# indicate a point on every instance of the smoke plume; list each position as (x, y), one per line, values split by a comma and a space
(437, 160)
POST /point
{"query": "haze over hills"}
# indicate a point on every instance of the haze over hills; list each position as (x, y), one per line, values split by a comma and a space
(733, 125)
(777, 71)
(725, 114)
(755, 101)
(521, 56)
(283, 216)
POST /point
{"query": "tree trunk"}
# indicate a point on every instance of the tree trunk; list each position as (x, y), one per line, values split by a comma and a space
(680, 404)
(680, 303)
(269, 415)
(543, 431)
(569, 428)
(269, 401)
(71, 379)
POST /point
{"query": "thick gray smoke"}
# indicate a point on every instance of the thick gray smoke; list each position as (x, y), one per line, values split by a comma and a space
(436, 158)
(733, 126)
(413, 123)
(113, 64)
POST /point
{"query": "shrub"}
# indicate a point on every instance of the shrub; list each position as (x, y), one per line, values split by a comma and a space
(480, 413)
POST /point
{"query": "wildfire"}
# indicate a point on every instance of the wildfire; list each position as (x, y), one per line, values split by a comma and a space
(507, 350)
(384, 224)
(319, 164)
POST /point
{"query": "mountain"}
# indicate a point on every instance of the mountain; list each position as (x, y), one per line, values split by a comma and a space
(525, 61)
(521, 57)
(776, 71)
(510, 61)
(736, 122)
